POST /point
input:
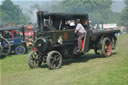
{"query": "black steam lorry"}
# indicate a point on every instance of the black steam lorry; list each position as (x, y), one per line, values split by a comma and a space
(55, 39)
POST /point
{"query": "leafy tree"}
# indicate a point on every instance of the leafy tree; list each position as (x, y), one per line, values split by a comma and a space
(114, 17)
(11, 13)
(98, 10)
(124, 15)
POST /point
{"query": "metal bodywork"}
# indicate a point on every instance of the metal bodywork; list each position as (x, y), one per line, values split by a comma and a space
(56, 36)
(56, 31)
(15, 40)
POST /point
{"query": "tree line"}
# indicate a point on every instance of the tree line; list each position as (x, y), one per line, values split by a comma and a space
(11, 13)
(99, 11)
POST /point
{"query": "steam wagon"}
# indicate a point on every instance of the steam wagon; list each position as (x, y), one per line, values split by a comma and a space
(55, 40)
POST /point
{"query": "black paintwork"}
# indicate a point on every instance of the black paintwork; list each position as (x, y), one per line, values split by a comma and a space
(68, 36)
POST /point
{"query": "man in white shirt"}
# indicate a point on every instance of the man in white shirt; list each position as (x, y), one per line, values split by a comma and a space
(81, 32)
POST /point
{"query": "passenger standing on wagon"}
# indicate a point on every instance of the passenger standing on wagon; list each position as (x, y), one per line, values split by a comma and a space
(81, 32)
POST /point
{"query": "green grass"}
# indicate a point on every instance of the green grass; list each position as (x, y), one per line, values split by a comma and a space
(87, 70)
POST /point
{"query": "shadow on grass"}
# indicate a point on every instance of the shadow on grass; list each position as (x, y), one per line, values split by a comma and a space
(78, 59)
(2, 57)
(10, 55)
(83, 58)
(44, 66)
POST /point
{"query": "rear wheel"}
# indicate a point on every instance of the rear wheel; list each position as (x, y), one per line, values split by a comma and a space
(20, 50)
(34, 59)
(106, 49)
(54, 60)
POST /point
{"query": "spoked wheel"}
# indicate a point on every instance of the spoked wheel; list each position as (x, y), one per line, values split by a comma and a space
(106, 47)
(1, 49)
(34, 59)
(6, 47)
(54, 60)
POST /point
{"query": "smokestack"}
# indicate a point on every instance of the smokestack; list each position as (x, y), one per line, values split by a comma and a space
(40, 20)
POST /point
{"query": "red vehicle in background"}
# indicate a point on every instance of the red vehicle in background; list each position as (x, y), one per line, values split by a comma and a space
(29, 36)
(13, 40)
(29, 33)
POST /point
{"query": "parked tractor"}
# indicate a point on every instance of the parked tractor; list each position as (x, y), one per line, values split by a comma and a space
(15, 39)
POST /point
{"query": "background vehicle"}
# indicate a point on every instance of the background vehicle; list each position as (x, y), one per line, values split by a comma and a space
(16, 39)
(56, 40)
(4, 46)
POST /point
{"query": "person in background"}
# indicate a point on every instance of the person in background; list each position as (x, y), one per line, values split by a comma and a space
(81, 32)
(67, 25)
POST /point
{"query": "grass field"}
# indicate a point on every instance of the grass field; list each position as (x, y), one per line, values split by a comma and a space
(87, 70)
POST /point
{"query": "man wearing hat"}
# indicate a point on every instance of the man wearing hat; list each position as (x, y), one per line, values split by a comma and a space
(81, 32)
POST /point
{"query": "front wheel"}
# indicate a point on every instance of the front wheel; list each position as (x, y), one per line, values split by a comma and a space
(34, 59)
(54, 60)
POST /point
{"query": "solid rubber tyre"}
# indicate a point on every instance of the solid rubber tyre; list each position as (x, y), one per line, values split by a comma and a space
(34, 60)
(106, 49)
(54, 60)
